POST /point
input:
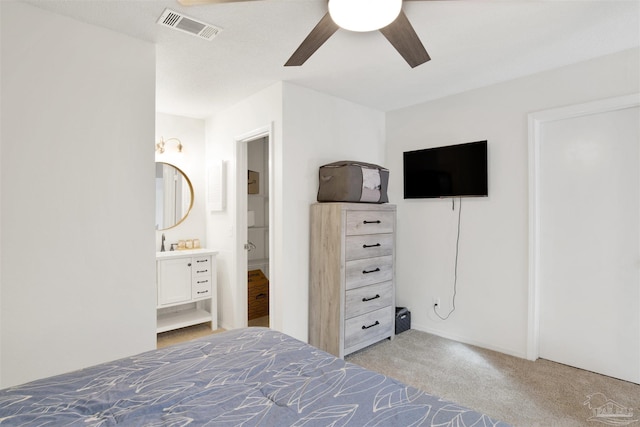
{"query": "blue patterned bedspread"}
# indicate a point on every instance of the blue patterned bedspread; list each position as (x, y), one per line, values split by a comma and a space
(244, 377)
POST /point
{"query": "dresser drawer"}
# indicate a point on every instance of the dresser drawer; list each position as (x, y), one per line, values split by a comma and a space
(201, 288)
(368, 246)
(378, 323)
(369, 222)
(368, 271)
(368, 298)
(201, 266)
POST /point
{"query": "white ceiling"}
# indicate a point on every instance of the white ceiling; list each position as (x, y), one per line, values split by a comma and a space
(472, 43)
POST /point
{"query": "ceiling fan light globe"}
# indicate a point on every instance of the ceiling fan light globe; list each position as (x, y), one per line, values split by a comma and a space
(364, 15)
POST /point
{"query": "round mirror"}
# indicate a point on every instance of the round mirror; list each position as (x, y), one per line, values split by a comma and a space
(174, 196)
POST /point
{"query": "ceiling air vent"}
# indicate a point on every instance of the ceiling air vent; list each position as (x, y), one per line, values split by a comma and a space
(171, 18)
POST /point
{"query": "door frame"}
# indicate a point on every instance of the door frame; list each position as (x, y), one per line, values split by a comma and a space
(535, 122)
(241, 311)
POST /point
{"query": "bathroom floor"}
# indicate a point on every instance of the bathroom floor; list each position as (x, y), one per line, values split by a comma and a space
(260, 321)
(192, 332)
(185, 334)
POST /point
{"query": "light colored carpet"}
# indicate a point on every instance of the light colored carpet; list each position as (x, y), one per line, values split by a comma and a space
(514, 390)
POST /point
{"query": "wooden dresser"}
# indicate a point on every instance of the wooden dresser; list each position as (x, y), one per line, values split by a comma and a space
(352, 288)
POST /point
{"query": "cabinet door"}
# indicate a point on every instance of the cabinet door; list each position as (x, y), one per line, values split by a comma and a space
(174, 281)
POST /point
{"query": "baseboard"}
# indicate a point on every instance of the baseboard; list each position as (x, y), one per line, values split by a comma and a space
(224, 326)
(470, 341)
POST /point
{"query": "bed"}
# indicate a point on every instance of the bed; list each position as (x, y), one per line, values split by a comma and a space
(244, 377)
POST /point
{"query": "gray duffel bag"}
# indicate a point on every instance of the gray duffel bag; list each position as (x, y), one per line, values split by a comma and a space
(350, 181)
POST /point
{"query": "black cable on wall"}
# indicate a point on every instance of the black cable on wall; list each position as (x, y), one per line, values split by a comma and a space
(455, 270)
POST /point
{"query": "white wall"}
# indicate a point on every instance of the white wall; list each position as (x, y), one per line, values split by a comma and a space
(260, 110)
(310, 129)
(318, 129)
(191, 132)
(77, 285)
(1, 185)
(493, 262)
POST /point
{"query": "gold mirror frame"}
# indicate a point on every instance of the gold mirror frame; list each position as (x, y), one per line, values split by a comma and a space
(191, 196)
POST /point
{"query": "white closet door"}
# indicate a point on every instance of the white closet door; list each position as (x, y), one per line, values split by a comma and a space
(589, 271)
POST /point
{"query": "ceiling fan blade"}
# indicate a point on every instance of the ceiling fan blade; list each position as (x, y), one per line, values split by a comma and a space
(197, 2)
(403, 37)
(316, 38)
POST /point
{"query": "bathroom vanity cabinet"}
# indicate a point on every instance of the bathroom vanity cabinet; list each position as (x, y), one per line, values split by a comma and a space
(187, 289)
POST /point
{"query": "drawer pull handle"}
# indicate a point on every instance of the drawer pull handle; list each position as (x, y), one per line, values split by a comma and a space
(371, 326)
(371, 246)
(260, 296)
(371, 222)
(372, 298)
(202, 292)
(370, 271)
(202, 281)
(202, 260)
(201, 271)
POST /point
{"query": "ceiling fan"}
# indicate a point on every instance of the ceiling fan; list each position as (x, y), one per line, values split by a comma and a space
(387, 15)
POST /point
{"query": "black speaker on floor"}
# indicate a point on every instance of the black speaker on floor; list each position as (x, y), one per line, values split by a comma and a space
(403, 319)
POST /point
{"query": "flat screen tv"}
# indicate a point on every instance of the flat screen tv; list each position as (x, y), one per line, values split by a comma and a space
(451, 171)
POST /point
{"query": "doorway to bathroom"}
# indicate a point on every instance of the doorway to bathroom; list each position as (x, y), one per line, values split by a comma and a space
(258, 232)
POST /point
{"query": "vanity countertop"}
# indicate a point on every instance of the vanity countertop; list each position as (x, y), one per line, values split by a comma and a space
(186, 252)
